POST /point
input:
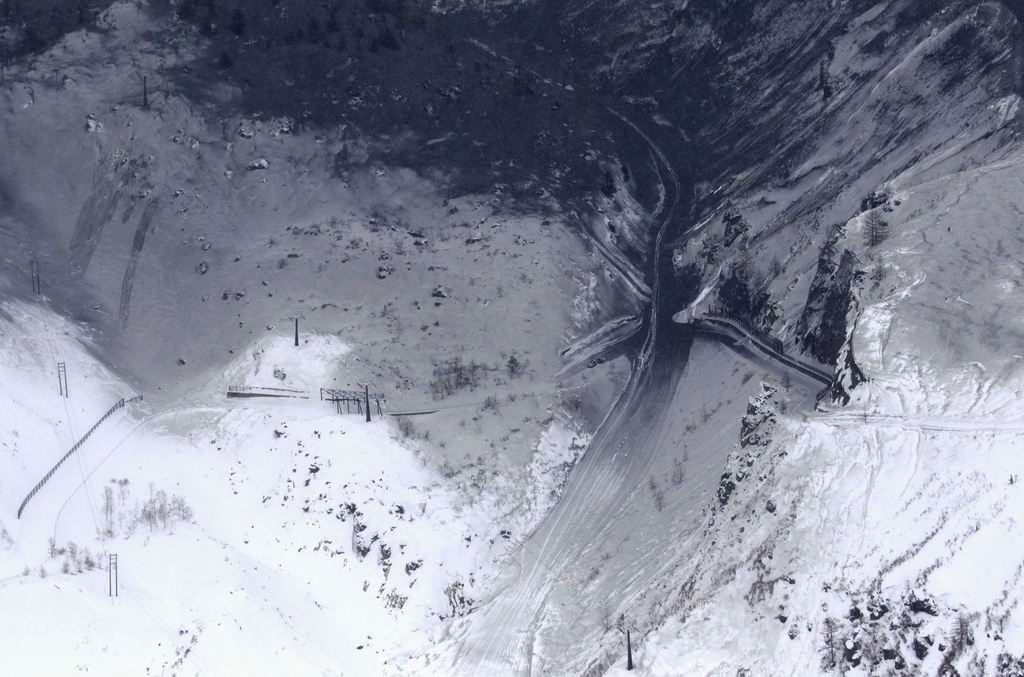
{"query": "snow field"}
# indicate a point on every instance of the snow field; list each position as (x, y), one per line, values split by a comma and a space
(296, 541)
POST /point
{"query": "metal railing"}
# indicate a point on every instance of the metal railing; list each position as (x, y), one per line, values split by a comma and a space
(260, 389)
(350, 398)
(46, 478)
(770, 345)
(770, 341)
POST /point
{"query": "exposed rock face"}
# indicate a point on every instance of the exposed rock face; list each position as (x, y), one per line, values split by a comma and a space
(822, 326)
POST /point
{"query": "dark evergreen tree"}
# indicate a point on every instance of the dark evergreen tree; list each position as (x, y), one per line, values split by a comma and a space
(876, 229)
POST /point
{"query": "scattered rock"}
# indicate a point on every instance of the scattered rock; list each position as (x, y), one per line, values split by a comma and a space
(203, 268)
(851, 652)
(758, 423)
(876, 199)
(257, 164)
(725, 488)
(460, 604)
(279, 126)
(923, 606)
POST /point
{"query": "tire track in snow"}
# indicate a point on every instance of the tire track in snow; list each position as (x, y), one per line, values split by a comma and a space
(850, 420)
(501, 642)
(98, 210)
(129, 272)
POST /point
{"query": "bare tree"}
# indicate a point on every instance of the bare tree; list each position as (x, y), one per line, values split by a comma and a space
(829, 652)
(876, 229)
(677, 472)
(108, 511)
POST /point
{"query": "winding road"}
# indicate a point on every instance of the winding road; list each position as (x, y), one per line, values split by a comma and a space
(501, 639)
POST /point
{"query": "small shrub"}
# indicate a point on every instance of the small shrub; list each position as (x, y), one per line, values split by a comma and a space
(454, 375)
(828, 654)
(406, 427)
(658, 494)
(516, 367)
(677, 472)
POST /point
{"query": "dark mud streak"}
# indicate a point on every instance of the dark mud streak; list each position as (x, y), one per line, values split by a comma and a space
(129, 272)
(129, 208)
(97, 211)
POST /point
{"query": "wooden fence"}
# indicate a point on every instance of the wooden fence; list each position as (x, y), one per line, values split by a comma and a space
(46, 478)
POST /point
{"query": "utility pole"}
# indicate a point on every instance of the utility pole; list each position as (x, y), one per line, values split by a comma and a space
(296, 319)
(112, 575)
(36, 287)
(145, 91)
(366, 395)
(629, 652)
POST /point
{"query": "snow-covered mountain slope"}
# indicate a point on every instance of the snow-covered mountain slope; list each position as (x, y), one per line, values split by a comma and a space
(268, 536)
(881, 536)
(255, 536)
(841, 175)
(884, 136)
